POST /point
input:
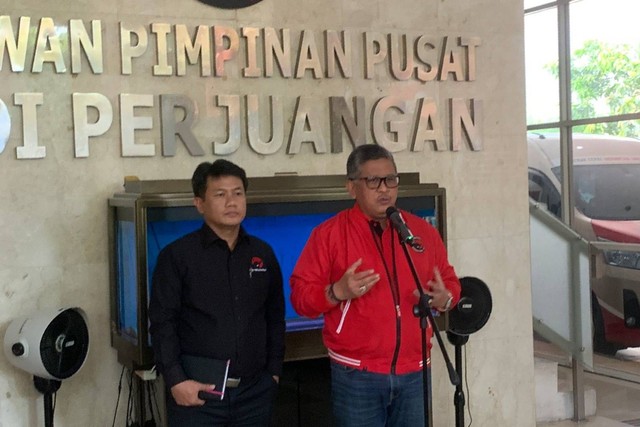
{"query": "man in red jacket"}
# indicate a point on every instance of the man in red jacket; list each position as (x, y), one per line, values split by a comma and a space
(354, 272)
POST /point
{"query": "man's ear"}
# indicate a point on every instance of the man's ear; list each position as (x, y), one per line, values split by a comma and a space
(351, 188)
(197, 202)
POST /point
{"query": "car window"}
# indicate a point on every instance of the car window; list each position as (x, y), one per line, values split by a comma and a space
(542, 190)
(608, 192)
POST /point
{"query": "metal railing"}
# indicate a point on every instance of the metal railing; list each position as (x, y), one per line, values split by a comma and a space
(560, 290)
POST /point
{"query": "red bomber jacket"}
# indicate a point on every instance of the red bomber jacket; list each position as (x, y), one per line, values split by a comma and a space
(378, 331)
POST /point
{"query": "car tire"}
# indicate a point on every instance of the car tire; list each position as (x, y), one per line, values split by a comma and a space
(600, 343)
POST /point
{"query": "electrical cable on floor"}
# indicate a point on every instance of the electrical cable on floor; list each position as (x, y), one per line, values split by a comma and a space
(115, 411)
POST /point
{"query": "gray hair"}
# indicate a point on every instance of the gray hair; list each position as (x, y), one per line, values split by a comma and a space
(363, 154)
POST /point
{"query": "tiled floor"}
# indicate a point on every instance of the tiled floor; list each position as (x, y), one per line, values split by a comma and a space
(303, 393)
(617, 385)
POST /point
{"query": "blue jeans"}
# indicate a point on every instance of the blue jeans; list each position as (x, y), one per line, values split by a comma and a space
(366, 399)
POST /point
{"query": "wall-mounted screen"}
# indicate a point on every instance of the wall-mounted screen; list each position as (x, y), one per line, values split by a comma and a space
(142, 229)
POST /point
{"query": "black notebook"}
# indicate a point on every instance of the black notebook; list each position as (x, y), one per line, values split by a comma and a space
(208, 371)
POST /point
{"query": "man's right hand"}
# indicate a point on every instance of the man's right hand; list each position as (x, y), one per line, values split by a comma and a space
(355, 284)
(186, 392)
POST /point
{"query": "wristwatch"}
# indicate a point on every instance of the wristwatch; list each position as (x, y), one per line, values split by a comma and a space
(447, 305)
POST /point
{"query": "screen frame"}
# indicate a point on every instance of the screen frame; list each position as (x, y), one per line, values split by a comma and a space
(264, 195)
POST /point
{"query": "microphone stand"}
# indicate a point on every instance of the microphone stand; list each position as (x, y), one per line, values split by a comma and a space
(458, 398)
(422, 310)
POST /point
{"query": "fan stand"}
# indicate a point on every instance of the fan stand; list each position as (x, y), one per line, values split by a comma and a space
(458, 398)
(47, 387)
(468, 316)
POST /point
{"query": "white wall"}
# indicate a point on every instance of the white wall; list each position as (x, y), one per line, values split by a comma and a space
(53, 216)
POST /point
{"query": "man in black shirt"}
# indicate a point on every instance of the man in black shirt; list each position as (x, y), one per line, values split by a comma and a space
(217, 295)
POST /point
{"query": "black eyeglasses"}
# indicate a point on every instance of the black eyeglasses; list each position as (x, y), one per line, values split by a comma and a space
(374, 182)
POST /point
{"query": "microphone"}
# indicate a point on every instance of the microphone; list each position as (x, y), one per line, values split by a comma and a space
(401, 227)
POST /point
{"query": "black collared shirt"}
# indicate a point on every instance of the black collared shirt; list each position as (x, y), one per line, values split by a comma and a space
(207, 300)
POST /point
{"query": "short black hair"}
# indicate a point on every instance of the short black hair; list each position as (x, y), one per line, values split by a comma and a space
(220, 167)
(362, 154)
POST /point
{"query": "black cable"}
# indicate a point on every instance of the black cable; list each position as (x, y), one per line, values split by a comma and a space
(53, 407)
(155, 399)
(115, 412)
(466, 384)
(129, 401)
(150, 403)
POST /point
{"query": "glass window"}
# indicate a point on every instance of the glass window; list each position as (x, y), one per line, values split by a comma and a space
(541, 56)
(544, 166)
(542, 190)
(605, 43)
(609, 192)
(528, 4)
(604, 56)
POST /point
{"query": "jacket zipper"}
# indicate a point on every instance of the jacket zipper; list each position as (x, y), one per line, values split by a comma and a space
(393, 284)
(396, 300)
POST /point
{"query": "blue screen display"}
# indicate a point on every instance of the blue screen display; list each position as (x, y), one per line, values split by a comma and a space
(285, 226)
(127, 280)
(286, 234)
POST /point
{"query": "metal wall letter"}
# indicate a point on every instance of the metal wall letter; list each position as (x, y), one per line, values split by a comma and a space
(129, 123)
(426, 53)
(17, 50)
(307, 116)
(471, 43)
(5, 125)
(308, 57)
(47, 35)
(200, 48)
(382, 127)
(232, 103)
(253, 125)
(171, 129)
(93, 50)
(30, 148)
(162, 68)
(461, 118)
(397, 53)
(428, 127)
(375, 50)
(129, 51)
(226, 44)
(451, 62)
(82, 129)
(340, 51)
(251, 34)
(339, 115)
(281, 50)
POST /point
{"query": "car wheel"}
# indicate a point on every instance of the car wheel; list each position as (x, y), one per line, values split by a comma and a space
(600, 344)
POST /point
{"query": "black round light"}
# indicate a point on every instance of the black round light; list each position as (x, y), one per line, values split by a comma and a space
(230, 4)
